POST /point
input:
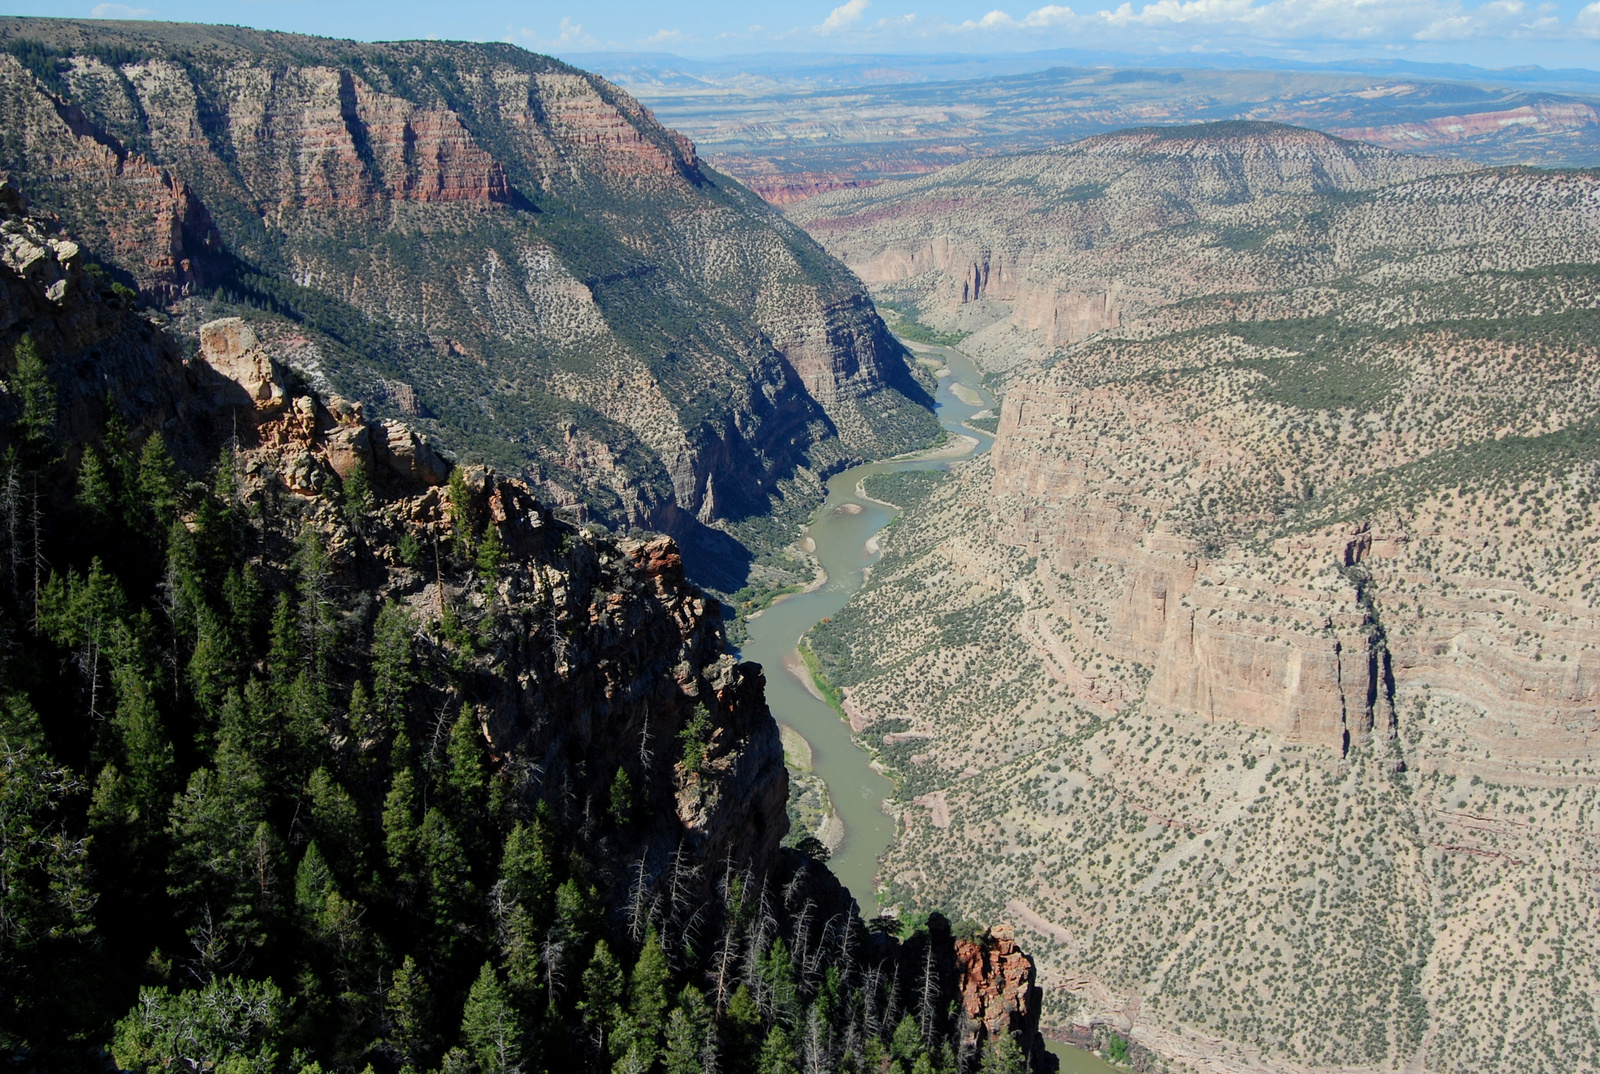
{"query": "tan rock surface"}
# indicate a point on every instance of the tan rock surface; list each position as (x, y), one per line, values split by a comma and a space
(1256, 666)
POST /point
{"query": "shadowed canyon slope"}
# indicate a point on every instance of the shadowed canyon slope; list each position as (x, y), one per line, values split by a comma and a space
(1257, 668)
(318, 752)
(496, 246)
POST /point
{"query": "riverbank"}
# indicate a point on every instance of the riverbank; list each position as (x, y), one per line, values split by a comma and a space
(842, 538)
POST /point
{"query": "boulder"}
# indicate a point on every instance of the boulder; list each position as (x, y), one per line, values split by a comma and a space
(349, 447)
(231, 347)
(408, 455)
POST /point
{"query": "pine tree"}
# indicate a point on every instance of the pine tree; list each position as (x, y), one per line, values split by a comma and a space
(778, 1054)
(906, 1043)
(1003, 1055)
(446, 876)
(621, 801)
(358, 498)
(577, 911)
(687, 1030)
(31, 384)
(489, 1027)
(600, 1001)
(95, 496)
(243, 595)
(400, 833)
(317, 624)
(527, 869)
(409, 1007)
(159, 483)
(520, 952)
(226, 858)
(324, 911)
(491, 555)
(207, 672)
(742, 1029)
(283, 652)
(146, 747)
(392, 674)
(695, 738)
(336, 822)
(777, 974)
(465, 781)
(647, 1000)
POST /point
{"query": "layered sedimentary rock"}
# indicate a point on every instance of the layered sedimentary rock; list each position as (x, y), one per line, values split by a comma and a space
(492, 244)
(585, 646)
(1261, 655)
(1037, 252)
(792, 132)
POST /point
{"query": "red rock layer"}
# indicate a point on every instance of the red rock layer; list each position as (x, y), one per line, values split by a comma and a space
(995, 980)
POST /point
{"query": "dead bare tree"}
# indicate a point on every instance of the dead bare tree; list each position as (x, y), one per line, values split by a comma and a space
(10, 516)
(927, 1004)
(814, 1044)
(550, 952)
(638, 904)
(36, 519)
(871, 989)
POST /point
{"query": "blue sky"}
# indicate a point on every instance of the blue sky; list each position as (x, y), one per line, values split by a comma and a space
(1493, 33)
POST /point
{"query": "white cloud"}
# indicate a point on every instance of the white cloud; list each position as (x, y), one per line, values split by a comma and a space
(568, 35)
(1587, 24)
(1039, 18)
(844, 15)
(1302, 27)
(663, 37)
(119, 11)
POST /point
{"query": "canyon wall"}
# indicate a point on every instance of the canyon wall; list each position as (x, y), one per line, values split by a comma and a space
(1255, 672)
(506, 251)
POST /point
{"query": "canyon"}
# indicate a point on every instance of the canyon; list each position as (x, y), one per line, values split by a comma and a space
(506, 252)
(319, 750)
(1252, 673)
(1251, 677)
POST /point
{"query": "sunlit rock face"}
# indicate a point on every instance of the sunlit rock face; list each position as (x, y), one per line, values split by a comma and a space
(505, 251)
(1270, 620)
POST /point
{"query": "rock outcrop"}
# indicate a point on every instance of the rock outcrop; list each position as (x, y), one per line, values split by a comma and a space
(995, 979)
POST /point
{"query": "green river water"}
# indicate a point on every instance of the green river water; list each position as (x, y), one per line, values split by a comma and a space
(844, 528)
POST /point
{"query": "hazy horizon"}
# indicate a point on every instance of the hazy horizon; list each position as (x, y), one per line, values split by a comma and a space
(1495, 34)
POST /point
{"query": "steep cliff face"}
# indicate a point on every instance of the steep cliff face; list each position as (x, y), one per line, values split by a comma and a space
(1270, 619)
(497, 245)
(290, 702)
(995, 980)
(1034, 253)
(589, 651)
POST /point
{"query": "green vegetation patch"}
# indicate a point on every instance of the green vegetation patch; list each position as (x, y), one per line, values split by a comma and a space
(908, 327)
(906, 489)
(1491, 465)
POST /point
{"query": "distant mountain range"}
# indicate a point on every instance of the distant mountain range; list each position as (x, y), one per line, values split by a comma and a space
(791, 126)
(819, 69)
